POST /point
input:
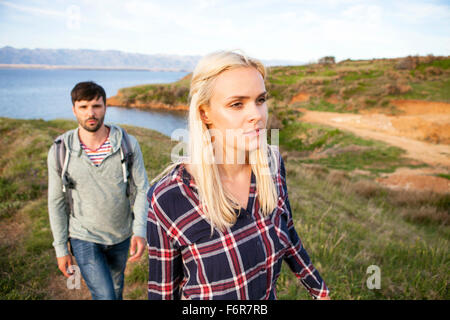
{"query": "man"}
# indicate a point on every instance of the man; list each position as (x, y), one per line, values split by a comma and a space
(89, 204)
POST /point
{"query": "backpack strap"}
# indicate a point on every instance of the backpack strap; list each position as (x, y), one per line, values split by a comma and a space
(127, 162)
(62, 160)
(60, 154)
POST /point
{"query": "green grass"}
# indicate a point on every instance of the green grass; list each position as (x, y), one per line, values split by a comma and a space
(383, 160)
(301, 137)
(169, 94)
(358, 85)
(346, 223)
(443, 175)
(428, 90)
(320, 104)
(340, 150)
(286, 76)
(28, 264)
(345, 232)
(440, 63)
(363, 74)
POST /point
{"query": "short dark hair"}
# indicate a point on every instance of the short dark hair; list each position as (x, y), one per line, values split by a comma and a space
(87, 90)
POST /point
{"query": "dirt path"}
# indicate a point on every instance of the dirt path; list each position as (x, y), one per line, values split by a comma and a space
(59, 290)
(414, 130)
(379, 127)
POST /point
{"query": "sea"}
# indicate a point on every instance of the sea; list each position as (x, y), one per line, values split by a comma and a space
(45, 94)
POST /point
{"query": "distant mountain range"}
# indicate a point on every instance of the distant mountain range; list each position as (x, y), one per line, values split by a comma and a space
(84, 58)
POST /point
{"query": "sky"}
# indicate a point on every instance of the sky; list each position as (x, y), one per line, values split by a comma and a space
(296, 30)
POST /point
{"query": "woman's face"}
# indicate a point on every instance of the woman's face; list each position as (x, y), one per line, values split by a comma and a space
(238, 111)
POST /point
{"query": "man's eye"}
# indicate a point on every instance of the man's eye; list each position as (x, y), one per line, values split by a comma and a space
(262, 100)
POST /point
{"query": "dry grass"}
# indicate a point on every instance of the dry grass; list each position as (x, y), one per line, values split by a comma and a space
(347, 224)
(421, 207)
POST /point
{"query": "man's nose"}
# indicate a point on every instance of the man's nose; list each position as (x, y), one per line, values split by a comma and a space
(90, 111)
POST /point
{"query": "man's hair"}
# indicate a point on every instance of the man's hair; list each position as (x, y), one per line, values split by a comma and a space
(87, 91)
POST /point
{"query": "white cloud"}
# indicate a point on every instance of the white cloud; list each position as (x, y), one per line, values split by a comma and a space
(293, 29)
(34, 10)
(363, 14)
(413, 11)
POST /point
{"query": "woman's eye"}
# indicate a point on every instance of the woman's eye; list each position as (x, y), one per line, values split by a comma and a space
(262, 100)
(236, 105)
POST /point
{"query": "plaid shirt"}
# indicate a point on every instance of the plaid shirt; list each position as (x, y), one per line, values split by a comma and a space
(243, 262)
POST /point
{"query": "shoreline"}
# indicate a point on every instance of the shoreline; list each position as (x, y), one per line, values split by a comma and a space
(63, 67)
(114, 101)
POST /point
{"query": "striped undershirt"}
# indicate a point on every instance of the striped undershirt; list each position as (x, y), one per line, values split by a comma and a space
(98, 155)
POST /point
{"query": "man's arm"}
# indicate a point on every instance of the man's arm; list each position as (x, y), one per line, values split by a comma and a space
(140, 209)
(59, 220)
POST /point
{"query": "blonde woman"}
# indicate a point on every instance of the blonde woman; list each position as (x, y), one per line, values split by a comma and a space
(220, 223)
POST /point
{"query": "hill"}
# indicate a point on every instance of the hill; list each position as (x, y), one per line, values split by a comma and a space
(347, 86)
(391, 99)
(109, 59)
(347, 221)
(96, 58)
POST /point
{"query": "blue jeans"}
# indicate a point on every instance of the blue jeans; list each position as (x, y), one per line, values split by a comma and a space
(102, 267)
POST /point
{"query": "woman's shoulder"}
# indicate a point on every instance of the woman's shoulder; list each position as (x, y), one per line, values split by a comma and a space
(275, 156)
(172, 195)
(274, 149)
(279, 173)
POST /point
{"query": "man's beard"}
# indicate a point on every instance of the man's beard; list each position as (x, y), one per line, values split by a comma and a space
(92, 128)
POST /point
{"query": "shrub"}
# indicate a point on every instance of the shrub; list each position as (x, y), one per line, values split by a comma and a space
(425, 215)
(327, 60)
(397, 88)
(407, 63)
(433, 71)
(366, 188)
(393, 74)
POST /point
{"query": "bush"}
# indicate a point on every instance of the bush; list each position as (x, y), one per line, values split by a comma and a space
(433, 71)
(407, 63)
(425, 215)
(397, 88)
(327, 60)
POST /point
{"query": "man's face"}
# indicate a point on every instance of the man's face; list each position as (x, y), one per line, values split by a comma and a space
(90, 114)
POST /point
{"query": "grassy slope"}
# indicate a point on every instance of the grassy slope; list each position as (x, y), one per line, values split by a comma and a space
(348, 86)
(346, 222)
(347, 226)
(27, 260)
(352, 85)
(171, 94)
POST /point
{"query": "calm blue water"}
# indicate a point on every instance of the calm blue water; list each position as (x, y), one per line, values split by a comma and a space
(45, 94)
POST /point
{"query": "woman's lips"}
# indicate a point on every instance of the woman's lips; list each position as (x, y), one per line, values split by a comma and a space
(252, 133)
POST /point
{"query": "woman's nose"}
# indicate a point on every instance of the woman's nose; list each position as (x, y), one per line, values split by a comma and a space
(256, 112)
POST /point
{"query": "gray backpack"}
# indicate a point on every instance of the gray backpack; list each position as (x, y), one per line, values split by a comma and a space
(62, 159)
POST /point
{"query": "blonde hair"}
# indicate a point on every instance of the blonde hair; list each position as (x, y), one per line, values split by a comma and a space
(218, 206)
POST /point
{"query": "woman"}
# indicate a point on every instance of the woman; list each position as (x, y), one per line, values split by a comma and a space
(220, 223)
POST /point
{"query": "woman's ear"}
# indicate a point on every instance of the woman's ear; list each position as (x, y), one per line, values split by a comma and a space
(204, 116)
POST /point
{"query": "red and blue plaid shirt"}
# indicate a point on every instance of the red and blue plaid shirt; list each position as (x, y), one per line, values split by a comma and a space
(243, 262)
